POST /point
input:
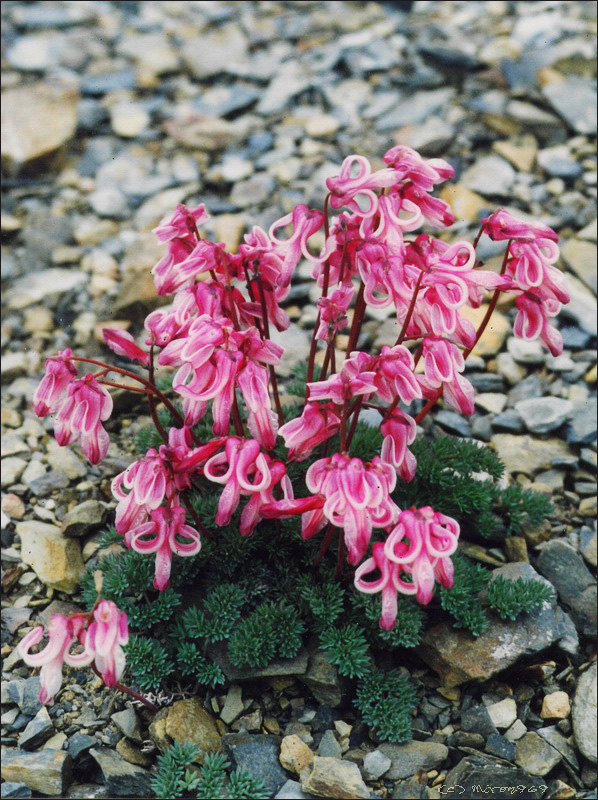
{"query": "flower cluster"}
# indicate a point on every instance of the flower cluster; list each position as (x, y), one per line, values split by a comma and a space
(215, 337)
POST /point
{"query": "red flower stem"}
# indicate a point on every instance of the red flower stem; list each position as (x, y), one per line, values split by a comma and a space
(131, 692)
(401, 337)
(356, 409)
(428, 407)
(343, 444)
(229, 288)
(202, 528)
(271, 370)
(237, 421)
(478, 237)
(326, 541)
(358, 314)
(340, 555)
(124, 386)
(314, 342)
(152, 403)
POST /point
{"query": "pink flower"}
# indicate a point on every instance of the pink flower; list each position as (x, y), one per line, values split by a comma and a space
(409, 165)
(399, 431)
(162, 536)
(262, 421)
(421, 544)
(354, 379)
(532, 321)
(139, 489)
(388, 584)
(123, 344)
(182, 224)
(104, 639)
(345, 187)
(530, 267)
(357, 499)
(317, 423)
(241, 462)
(502, 225)
(60, 372)
(395, 376)
(62, 633)
(253, 510)
(443, 363)
(81, 414)
(333, 312)
(305, 221)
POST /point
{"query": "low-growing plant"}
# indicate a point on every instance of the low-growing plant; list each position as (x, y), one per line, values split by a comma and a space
(252, 520)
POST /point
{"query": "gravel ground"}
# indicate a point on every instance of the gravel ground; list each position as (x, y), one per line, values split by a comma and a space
(113, 113)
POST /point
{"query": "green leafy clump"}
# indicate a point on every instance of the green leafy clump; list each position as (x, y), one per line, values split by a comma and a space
(510, 598)
(322, 603)
(272, 630)
(172, 778)
(296, 386)
(385, 701)
(367, 441)
(408, 628)
(348, 649)
(523, 508)
(192, 663)
(221, 609)
(149, 662)
(462, 599)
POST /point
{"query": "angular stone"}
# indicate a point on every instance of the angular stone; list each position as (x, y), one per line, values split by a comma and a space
(84, 518)
(376, 764)
(495, 334)
(501, 747)
(37, 731)
(465, 204)
(55, 559)
(584, 714)
(544, 414)
(574, 99)
(331, 777)
(490, 176)
(323, 680)
(581, 258)
(45, 771)
(329, 745)
(503, 714)
(474, 774)
(535, 755)
(291, 790)
(128, 724)
(132, 753)
(12, 469)
(574, 582)
(24, 142)
(295, 755)
(12, 789)
(233, 705)
(45, 286)
(410, 757)
(257, 753)
(187, 720)
(219, 50)
(526, 453)
(279, 667)
(478, 720)
(555, 705)
(122, 779)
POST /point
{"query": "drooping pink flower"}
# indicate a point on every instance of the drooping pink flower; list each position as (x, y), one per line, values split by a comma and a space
(530, 267)
(104, 638)
(262, 421)
(357, 499)
(345, 186)
(421, 544)
(354, 379)
(399, 430)
(86, 406)
(443, 364)
(408, 165)
(333, 312)
(243, 469)
(388, 584)
(139, 489)
(62, 633)
(123, 344)
(502, 225)
(395, 375)
(532, 320)
(253, 510)
(318, 422)
(60, 372)
(305, 221)
(182, 224)
(162, 536)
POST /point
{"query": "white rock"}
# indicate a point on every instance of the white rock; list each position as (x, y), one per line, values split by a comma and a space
(504, 713)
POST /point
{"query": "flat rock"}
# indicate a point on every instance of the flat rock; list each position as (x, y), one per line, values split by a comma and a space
(233, 705)
(584, 714)
(291, 790)
(416, 109)
(555, 705)
(322, 679)
(121, 778)
(407, 759)
(503, 714)
(295, 755)
(535, 755)
(187, 720)
(474, 774)
(12, 469)
(331, 777)
(477, 719)
(220, 50)
(574, 99)
(544, 414)
(582, 426)
(575, 584)
(582, 306)
(376, 764)
(580, 256)
(528, 454)
(128, 724)
(279, 667)
(12, 789)
(26, 143)
(45, 771)
(43, 286)
(37, 731)
(490, 176)
(55, 559)
(84, 518)
(257, 753)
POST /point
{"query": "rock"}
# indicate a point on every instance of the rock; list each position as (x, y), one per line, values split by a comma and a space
(289, 80)
(291, 790)
(495, 334)
(375, 765)
(187, 720)
(12, 789)
(132, 753)
(501, 747)
(544, 414)
(410, 757)
(466, 205)
(295, 755)
(490, 176)
(202, 134)
(46, 285)
(24, 143)
(252, 191)
(582, 305)
(233, 705)
(49, 482)
(587, 545)
(584, 714)
(80, 743)
(581, 258)
(527, 454)
(558, 163)
(56, 742)
(503, 714)
(535, 755)
(415, 109)
(574, 99)
(522, 155)
(478, 720)
(296, 342)
(526, 352)
(13, 506)
(582, 427)
(472, 776)
(121, 778)
(128, 724)
(13, 618)
(37, 731)
(109, 201)
(84, 518)
(220, 50)
(12, 469)
(492, 402)
(279, 667)
(323, 680)
(329, 746)
(257, 753)
(128, 119)
(453, 422)
(576, 587)
(554, 737)
(45, 771)
(25, 693)
(331, 777)
(56, 560)
(555, 705)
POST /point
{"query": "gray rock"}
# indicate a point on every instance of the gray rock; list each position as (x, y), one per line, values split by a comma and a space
(526, 352)
(478, 720)
(587, 545)
(501, 747)
(329, 747)
(375, 765)
(584, 714)
(233, 705)
(296, 343)
(453, 422)
(490, 176)
(37, 731)
(109, 201)
(574, 99)
(582, 306)
(13, 618)
(12, 469)
(80, 743)
(535, 755)
(45, 771)
(48, 482)
(25, 693)
(290, 80)
(528, 454)
(128, 724)
(410, 757)
(221, 50)
(252, 191)
(557, 162)
(257, 753)
(292, 790)
(582, 427)
(416, 108)
(12, 789)
(323, 680)
(121, 778)
(46, 285)
(554, 737)
(84, 518)
(508, 421)
(331, 777)
(474, 774)
(503, 714)
(544, 414)
(576, 587)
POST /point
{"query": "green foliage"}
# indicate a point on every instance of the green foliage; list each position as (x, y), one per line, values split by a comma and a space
(222, 608)
(462, 599)
(144, 616)
(149, 662)
(523, 508)
(367, 441)
(170, 781)
(323, 603)
(510, 598)
(193, 664)
(408, 628)
(296, 385)
(213, 781)
(272, 630)
(385, 701)
(347, 648)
